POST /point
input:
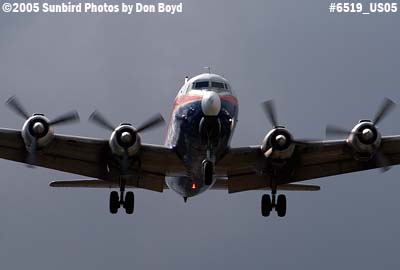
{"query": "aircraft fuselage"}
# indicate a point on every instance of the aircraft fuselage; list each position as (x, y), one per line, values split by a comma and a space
(201, 127)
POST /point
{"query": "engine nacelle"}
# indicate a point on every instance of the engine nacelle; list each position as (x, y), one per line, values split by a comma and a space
(278, 144)
(364, 139)
(37, 128)
(125, 139)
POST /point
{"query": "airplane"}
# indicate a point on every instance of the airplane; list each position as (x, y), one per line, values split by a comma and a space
(197, 155)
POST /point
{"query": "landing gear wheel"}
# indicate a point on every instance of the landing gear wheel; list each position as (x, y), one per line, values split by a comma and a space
(208, 172)
(129, 203)
(266, 205)
(281, 205)
(114, 202)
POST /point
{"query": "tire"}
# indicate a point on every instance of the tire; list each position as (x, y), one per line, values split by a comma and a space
(208, 172)
(281, 205)
(129, 203)
(114, 202)
(266, 205)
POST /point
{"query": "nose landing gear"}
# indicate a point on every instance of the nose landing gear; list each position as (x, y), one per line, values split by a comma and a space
(278, 204)
(207, 171)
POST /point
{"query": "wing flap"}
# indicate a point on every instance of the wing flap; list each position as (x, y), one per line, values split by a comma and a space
(255, 182)
(94, 183)
(146, 181)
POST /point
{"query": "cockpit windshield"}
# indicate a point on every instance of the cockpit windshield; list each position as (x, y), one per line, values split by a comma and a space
(214, 85)
(200, 85)
(218, 85)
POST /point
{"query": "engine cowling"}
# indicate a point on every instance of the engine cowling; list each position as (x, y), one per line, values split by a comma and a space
(278, 144)
(364, 139)
(125, 139)
(37, 128)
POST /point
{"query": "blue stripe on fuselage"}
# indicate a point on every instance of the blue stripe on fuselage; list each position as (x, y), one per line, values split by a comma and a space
(184, 136)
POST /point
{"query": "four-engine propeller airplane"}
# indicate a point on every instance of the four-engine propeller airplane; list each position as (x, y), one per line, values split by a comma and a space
(197, 155)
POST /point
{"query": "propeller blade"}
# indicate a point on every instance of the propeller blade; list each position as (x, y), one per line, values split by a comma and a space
(14, 104)
(332, 131)
(65, 118)
(99, 119)
(269, 109)
(269, 152)
(382, 161)
(31, 158)
(385, 108)
(153, 122)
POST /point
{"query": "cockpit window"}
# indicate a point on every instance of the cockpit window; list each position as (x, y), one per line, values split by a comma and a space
(201, 85)
(218, 85)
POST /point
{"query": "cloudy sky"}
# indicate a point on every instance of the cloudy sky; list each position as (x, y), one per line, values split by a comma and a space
(319, 67)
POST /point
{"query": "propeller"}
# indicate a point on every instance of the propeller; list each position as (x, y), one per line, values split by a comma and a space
(381, 161)
(39, 127)
(270, 112)
(14, 104)
(384, 109)
(332, 130)
(152, 122)
(99, 119)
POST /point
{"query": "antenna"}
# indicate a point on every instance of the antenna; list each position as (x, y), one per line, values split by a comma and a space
(209, 69)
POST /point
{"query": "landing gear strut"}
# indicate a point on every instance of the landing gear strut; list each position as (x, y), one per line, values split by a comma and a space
(118, 200)
(278, 204)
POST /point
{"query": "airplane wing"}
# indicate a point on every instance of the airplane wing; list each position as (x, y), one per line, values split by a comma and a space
(246, 167)
(91, 157)
(221, 184)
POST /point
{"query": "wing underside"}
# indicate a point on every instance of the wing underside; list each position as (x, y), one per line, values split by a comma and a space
(91, 158)
(241, 168)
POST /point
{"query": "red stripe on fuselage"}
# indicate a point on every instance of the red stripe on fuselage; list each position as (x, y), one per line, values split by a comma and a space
(186, 99)
(190, 98)
(231, 99)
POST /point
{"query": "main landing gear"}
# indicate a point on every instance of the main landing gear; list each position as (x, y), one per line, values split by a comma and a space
(278, 204)
(118, 200)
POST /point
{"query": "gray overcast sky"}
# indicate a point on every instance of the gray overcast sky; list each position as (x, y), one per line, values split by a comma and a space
(319, 67)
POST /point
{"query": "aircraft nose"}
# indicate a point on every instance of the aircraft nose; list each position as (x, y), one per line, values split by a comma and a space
(211, 104)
